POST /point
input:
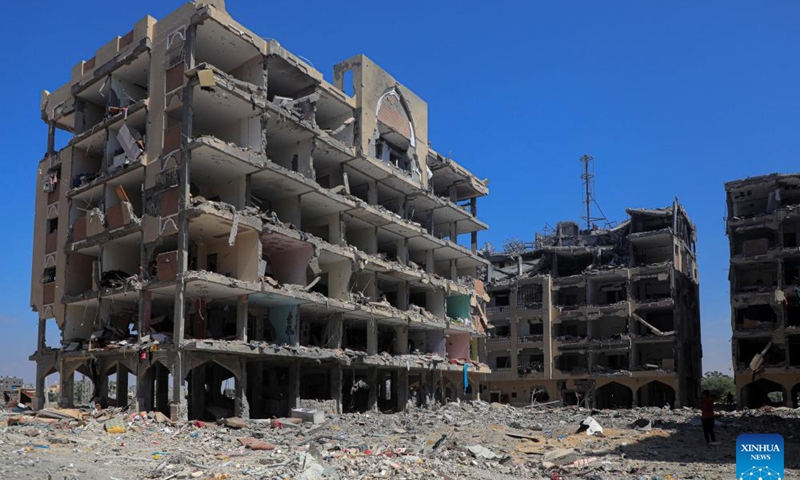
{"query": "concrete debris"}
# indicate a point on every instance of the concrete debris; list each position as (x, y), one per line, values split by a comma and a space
(591, 427)
(308, 415)
(255, 444)
(482, 452)
(458, 440)
(642, 424)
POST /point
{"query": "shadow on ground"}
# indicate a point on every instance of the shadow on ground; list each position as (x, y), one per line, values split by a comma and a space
(683, 442)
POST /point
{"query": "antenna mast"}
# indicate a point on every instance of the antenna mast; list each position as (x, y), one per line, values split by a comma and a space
(588, 183)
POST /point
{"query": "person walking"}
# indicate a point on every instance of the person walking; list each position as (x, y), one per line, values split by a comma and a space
(707, 417)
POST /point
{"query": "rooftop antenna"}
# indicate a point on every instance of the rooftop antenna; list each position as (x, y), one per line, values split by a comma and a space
(588, 183)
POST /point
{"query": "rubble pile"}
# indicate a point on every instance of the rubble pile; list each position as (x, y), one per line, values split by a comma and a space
(457, 441)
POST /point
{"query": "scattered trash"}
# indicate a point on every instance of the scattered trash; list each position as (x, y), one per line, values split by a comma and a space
(115, 425)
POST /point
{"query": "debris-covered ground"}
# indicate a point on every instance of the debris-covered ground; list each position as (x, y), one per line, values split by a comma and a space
(460, 440)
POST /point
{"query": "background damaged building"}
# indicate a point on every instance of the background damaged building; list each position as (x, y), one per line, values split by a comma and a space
(236, 235)
(763, 227)
(607, 318)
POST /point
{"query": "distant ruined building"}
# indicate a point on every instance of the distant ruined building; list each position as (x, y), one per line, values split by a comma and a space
(605, 318)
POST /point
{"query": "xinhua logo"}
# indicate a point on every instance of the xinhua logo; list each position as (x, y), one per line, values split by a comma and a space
(759, 457)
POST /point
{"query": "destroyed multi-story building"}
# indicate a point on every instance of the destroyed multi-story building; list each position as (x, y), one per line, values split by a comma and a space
(763, 227)
(237, 235)
(607, 318)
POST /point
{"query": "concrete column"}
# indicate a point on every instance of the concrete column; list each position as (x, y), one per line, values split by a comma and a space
(197, 391)
(371, 290)
(547, 325)
(289, 210)
(177, 409)
(402, 295)
(473, 209)
(434, 303)
(333, 331)
(294, 385)
(514, 331)
(372, 240)
(372, 192)
(41, 343)
(402, 251)
(241, 405)
(241, 318)
(295, 339)
(339, 275)
(402, 390)
(41, 388)
(122, 386)
(430, 388)
(453, 270)
(102, 387)
(429, 261)
(261, 322)
(372, 397)
(146, 299)
(335, 230)
(144, 388)
(51, 138)
(372, 336)
(401, 340)
(336, 387)
(67, 388)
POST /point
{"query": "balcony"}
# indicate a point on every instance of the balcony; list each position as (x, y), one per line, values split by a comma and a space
(498, 310)
(502, 374)
(529, 339)
(498, 340)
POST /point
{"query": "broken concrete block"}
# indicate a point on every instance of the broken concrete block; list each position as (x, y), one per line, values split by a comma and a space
(308, 415)
(235, 423)
(561, 456)
(479, 451)
(255, 444)
(128, 143)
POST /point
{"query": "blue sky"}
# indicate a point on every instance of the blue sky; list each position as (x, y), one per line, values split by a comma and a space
(671, 98)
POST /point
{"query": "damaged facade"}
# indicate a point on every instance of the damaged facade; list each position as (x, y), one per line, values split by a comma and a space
(606, 318)
(763, 227)
(241, 237)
